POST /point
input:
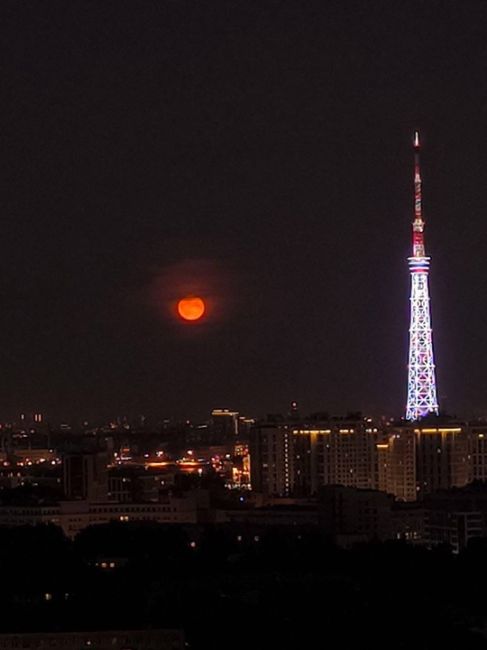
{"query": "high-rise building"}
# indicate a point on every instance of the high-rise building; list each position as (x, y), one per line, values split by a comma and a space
(415, 460)
(421, 399)
(442, 459)
(86, 476)
(271, 458)
(396, 465)
(298, 457)
(477, 451)
(224, 425)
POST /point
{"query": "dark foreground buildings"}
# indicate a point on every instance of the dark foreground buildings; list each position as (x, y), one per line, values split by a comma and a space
(99, 640)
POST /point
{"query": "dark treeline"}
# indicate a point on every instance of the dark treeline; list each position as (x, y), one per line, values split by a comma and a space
(231, 587)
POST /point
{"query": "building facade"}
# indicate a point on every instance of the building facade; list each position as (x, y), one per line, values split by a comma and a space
(101, 640)
(297, 458)
(415, 460)
(74, 516)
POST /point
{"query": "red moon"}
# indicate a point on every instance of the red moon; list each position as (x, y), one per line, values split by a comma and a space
(191, 308)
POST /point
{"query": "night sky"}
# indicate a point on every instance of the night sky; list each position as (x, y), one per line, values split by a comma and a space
(257, 153)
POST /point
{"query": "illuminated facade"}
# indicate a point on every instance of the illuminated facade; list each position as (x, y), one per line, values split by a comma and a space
(396, 460)
(417, 460)
(334, 453)
(297, 458)
(442, 457)
(271, 459)
(421, 398)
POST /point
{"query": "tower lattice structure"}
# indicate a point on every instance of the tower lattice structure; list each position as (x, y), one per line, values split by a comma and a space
(421, 367)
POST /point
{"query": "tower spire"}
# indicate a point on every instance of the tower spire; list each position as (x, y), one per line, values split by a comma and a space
(418, 223)
(421, 368)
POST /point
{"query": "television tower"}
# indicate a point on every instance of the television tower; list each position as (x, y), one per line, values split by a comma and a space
(421, 367)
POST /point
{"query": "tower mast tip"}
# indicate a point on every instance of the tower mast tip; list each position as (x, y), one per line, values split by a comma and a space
(416, 139)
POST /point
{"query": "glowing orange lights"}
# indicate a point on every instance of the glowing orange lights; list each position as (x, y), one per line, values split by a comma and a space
(191, 308)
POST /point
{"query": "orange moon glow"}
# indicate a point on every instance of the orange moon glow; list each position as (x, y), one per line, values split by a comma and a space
(191, 308)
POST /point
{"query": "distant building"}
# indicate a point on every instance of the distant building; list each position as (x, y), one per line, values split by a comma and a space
(271, 458)
(396, 461)
(129, 484)
(407, 460)
(297, 458)
(441, 457)
(224, 425)
(283, 515)
(417, 459)
(86, 476)
(104, 640)
(29, 457)
(346, 515)
(456, 516)
(351, 515)
(477, 438)
(74, 516)
(453, 528)
(408, 521)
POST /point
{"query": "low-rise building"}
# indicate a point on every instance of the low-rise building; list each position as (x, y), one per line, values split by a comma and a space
(101, 640)
(349, 514)
(456, 516)
(74, 516)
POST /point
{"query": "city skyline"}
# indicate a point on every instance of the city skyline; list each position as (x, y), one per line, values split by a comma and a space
(206, 340)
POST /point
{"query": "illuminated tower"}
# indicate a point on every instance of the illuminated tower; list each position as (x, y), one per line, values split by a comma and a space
(421, 368)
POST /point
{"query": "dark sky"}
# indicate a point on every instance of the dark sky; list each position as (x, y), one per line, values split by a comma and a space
(255, 152)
